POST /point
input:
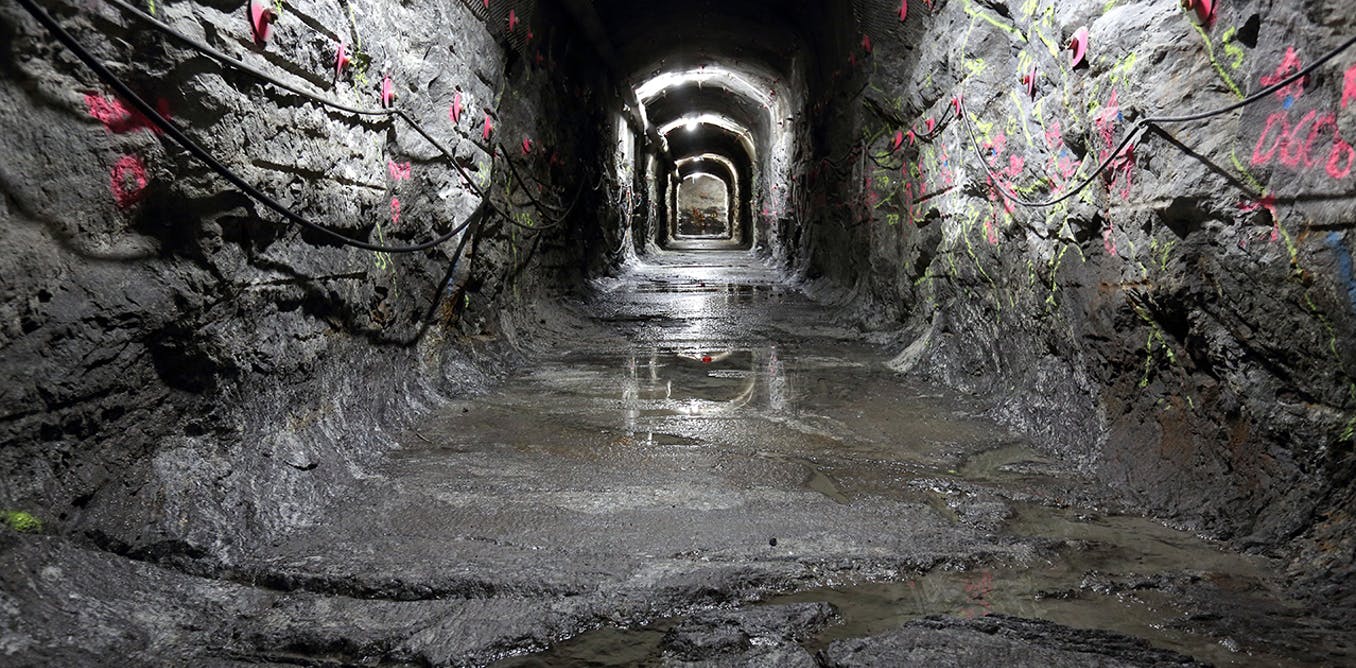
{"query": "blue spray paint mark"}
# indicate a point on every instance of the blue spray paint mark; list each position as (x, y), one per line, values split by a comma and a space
(1345, 270)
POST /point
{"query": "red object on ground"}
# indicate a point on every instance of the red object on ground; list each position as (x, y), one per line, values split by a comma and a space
(706, 359)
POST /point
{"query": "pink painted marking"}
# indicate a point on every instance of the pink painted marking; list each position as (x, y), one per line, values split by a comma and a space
(1054, 136)
(388, 94)
(898, 142)
(399, 171)
(1109, 241)
(1290, 63)
(866, 43)
(1336, 167)
(455, 114)
(513, 20)
(903, 10)
(128, 181)
(489, 127)
(1260, 158)
(118, 119)
(395, 211)
(527, 146)
(1268, 204)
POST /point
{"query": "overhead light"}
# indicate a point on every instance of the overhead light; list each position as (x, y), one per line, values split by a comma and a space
(692, 125)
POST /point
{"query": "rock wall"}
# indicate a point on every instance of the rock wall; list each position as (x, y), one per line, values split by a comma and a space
(184, 372)
(1186, 325)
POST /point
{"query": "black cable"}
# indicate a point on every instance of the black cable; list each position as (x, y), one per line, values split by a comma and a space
(229, 61)
(1140, 125)
(202, 154)
(234, 63)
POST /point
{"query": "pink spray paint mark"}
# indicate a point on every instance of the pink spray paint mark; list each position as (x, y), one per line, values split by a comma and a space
(1079, 46)
(866, 43)
(341, 60)
(395, 211)
(1054, 136)
(1290, 64)
(1268, 204)
(455, 113)
(898, 142)
(128, 181)
(399, 171)
(489, 128)
(513, 20)
(956, 106)
(1349, 87)
(1340, 149)
(903, 10)
(913, 138)
(527, 146)
(388, 94)
(118, 119)
(1109, 241)
(931, 125)
(261, 20)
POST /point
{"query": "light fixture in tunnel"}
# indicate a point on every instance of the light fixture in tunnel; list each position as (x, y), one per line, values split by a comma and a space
(692, 125)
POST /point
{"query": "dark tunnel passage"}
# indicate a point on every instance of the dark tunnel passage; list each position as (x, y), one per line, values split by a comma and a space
(716, 332)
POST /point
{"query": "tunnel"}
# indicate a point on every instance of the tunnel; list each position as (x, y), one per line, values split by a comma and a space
(696, 333)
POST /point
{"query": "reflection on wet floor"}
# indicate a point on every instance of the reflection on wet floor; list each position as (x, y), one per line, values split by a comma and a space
(701, 383)
(733, 399)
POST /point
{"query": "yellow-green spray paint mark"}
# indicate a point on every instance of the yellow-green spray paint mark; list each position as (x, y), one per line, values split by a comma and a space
(1214, 62)
(21, 521)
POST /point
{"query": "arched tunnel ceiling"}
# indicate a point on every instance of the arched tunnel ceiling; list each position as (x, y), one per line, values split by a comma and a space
(711, 140)
(698, 123)
(676, 103)
(716, 166)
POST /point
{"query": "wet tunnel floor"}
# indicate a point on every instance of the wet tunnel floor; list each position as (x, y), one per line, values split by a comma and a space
(716, 445)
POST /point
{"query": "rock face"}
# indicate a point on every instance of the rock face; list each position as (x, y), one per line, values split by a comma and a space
(185, 372)
(997, 640)
(1184, 326)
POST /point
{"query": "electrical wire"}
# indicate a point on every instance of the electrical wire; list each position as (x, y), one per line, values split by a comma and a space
(235, 63)
(1138, 126)
(175, 133)
(232, 62)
